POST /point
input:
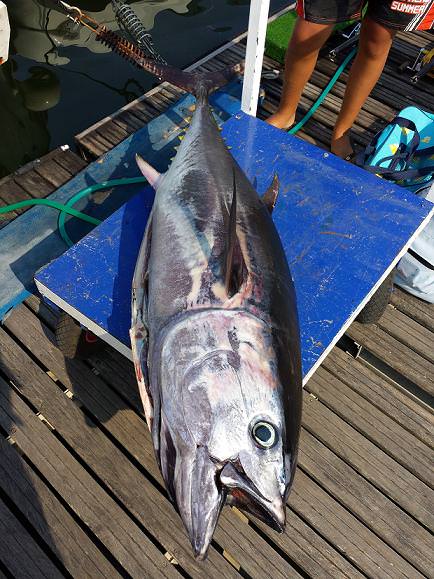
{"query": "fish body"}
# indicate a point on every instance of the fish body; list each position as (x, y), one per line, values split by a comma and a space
(215, 335)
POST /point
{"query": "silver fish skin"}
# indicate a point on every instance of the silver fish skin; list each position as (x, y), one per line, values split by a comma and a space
(215, 336)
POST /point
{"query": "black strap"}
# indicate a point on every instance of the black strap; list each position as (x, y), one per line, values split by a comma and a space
(420, 259)
(405, 152)
(386, 173)
(427, 152)
(404, 124)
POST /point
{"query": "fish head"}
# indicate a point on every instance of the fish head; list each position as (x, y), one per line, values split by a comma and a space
(229, 425)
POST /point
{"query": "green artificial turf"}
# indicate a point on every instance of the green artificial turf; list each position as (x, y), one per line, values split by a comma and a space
(280, 31)
(278, 34)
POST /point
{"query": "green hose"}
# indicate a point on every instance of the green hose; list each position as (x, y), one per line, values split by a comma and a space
(89, 191)
(67, 209)
(324, 93)
(54, 205)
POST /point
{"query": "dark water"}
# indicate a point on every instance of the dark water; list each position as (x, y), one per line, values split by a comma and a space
(59, 80)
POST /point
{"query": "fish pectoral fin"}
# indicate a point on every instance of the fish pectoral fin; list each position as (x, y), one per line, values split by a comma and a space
(151, 175)
(271, 194)
(139, 347)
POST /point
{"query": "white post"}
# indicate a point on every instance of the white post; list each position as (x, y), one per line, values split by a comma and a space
(258, 19)
(5, 32)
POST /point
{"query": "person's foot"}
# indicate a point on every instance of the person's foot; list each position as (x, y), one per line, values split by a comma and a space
(281, 121)
(342, 147)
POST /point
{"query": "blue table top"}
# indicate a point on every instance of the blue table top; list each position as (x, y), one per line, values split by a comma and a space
(342, 229)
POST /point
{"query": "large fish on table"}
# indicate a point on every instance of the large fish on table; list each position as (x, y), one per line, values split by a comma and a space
(214, 331)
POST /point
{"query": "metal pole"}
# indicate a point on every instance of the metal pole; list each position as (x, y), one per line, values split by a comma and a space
(258, 19)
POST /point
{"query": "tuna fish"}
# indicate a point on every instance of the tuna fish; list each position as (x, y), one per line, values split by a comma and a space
(214, 332)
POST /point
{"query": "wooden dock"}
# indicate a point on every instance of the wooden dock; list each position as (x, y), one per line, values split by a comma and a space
(80, 491)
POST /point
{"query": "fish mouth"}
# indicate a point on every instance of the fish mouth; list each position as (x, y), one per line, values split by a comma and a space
(232, 486)
(243, 494)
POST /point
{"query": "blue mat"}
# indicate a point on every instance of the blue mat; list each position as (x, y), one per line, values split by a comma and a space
(342, 229)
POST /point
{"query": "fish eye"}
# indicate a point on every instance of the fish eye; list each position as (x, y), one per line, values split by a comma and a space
(264, 434)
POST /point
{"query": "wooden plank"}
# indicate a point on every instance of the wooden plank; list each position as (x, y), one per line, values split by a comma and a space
(35, 185)
(97, 509)
(62, 535)
(420, 311)
(46, 313)
(384, 91)
(374, 425)
(138, 495)
(145, 110)
(408, 332)
(11, 192)
(367, 551)
(52, 172)
(128, 122)
(321, 124)
(112, 133)
(399, 530)
(130, 431)
(385, 396)
(70, 161)
(92, 147)
(20, 553)
(371, 462)
(102, 139)
(256, 557)
(309, 550)
(397, 355)
(373, 109)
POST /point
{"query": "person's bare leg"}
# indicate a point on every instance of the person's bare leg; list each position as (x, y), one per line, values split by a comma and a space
(374, 46)
(300, 59)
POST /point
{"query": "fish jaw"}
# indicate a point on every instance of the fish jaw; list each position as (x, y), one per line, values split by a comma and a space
(243, 494)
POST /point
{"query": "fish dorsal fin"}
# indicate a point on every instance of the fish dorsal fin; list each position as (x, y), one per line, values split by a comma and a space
(151, 175)
(271, 194)
(231, 237)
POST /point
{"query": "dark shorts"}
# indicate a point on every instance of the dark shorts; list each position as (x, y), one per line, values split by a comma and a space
(396, 14)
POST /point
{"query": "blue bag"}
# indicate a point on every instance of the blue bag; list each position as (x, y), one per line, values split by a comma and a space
(403, 152)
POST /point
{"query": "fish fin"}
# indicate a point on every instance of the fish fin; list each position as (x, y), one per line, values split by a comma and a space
(200, 84)
(139, 347)
(271, 194)
(139, 330)
(231, 237)
(152, 175)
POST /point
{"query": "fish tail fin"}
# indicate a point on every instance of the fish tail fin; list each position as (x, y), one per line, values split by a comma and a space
(200, 84)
